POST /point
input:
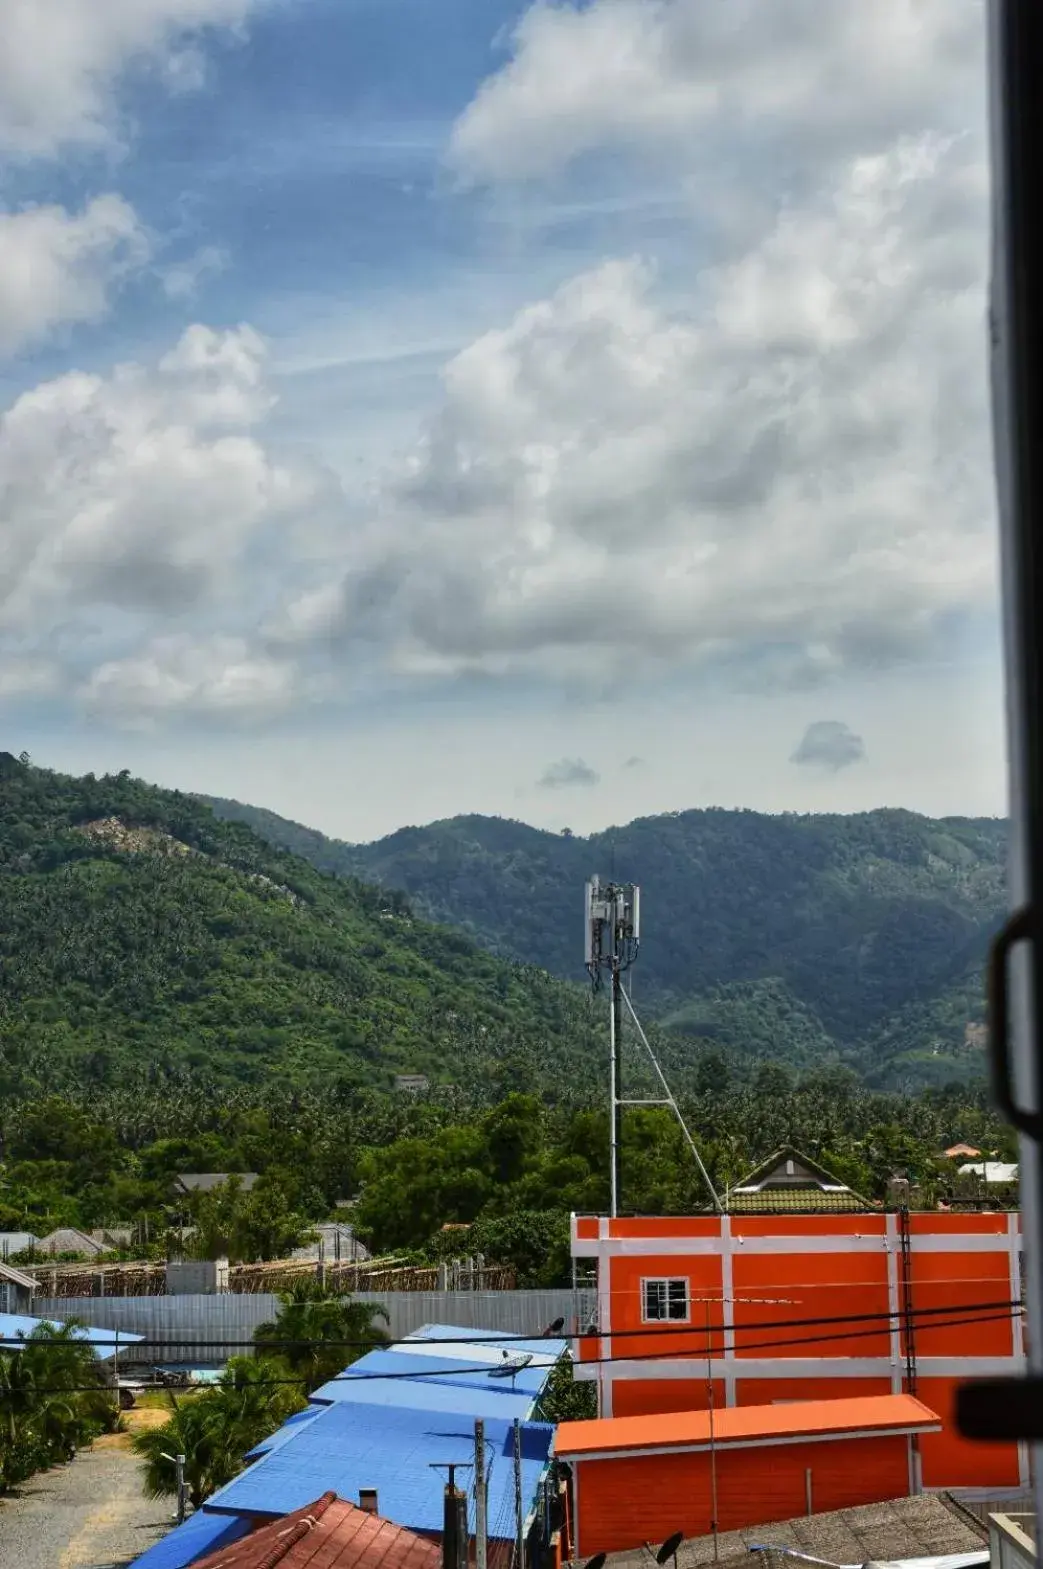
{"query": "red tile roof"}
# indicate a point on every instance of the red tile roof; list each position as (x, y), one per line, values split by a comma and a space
(798, 1419)
(328, 1534)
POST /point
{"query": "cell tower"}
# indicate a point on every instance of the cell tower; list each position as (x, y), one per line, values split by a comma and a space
(612, 938)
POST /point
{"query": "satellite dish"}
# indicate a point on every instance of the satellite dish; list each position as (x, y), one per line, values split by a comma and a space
(597, 1562)
(669, 1547)
(511, 1365)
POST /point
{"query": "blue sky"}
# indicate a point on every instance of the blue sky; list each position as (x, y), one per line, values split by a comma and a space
(401, 403)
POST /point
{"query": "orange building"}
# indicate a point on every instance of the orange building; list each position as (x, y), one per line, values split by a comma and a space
(796, 1306)
(638, 1479)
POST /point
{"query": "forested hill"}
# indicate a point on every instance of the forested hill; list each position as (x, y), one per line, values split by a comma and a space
(794, 937)
(141, 935)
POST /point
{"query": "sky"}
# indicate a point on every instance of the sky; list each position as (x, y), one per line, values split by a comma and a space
(569, 411)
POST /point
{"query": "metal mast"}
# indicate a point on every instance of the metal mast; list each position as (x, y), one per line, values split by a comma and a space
(612, 938)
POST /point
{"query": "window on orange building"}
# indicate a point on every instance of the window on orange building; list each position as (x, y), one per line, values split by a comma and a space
(664, 1299)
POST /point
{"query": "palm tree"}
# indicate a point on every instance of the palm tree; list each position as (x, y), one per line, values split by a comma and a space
(53, 1399)
(319, 1333)
(215, 1430)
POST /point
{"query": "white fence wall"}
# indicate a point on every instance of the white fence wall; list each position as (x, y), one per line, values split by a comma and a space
(209, 1329)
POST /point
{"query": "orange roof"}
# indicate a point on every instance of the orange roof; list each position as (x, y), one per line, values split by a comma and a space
(799, 1419)
(331, 1533)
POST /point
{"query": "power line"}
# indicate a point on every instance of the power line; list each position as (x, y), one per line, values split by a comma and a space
(675, 1331)
(1004, 1311)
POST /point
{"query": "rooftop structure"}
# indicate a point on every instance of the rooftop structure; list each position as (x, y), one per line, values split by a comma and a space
(384, 1424)
(901, 1528)
(347, 1448)
(16, 1242)
(329, 1532)
(961, 1152)
(68, 1239)
(640, 1479)
(790, 1181)
(17, 1327)
(196, 1538)
(740, 1426)
(206, 1181)
(16, 1289)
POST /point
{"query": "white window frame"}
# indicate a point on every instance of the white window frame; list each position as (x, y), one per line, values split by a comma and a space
(666, 1281)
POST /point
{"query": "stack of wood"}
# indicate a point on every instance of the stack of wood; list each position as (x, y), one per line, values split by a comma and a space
(150, 1280)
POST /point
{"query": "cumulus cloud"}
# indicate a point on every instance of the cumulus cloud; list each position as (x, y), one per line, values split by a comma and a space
(145, 505)
(57, 266)
(808, 76)
(829, 744)
(61, 63)
(210, 676)
(793, 470)
(568, 772)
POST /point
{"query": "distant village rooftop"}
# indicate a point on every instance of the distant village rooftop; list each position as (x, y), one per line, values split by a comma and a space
(790, 1182)
(206, 1181)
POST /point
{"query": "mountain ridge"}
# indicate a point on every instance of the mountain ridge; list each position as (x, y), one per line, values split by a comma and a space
(876, 922)
(139, 934)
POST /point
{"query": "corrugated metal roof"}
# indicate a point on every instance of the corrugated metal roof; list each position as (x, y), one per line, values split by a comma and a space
(8, 1272)
(15, 1327)
(464, 1342)
(429, 1366)
(444, 1394)
(738, 1424)
(348, 1447)
(333, 1533)
(282, 1435)
(201, 1533)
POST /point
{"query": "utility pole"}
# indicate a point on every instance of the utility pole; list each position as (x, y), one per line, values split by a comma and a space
(454, 1519)
(481, 1528)
(611, 939)
(519, 1518)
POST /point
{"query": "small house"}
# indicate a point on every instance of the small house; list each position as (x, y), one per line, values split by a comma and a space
(411, 1083)
(791, 1182)
(206, 1181)
(961, 1152)
(16, 1290)
(12, 1242)
(637, 1479)
(68, 1239)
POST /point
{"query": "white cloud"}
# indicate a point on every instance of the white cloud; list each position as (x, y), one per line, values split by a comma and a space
(828, 79)
(62, 60)
(57, 266)
(793, 471)
(212, 676)
(145, 497)
(181, 279)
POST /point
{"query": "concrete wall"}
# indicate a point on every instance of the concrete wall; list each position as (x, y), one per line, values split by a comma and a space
(209, 1329)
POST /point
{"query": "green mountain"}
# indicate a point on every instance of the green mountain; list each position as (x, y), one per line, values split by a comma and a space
(794, 937)
(141, 935)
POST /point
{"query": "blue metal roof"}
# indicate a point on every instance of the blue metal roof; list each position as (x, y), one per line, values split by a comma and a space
(471, 1339)
(443, 1394)
(461, 1372)
(282, 1435)
(201, 1533)
(348, 1447)
(16, 1327)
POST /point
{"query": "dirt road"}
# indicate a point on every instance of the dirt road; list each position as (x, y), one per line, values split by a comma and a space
(90, 1514)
